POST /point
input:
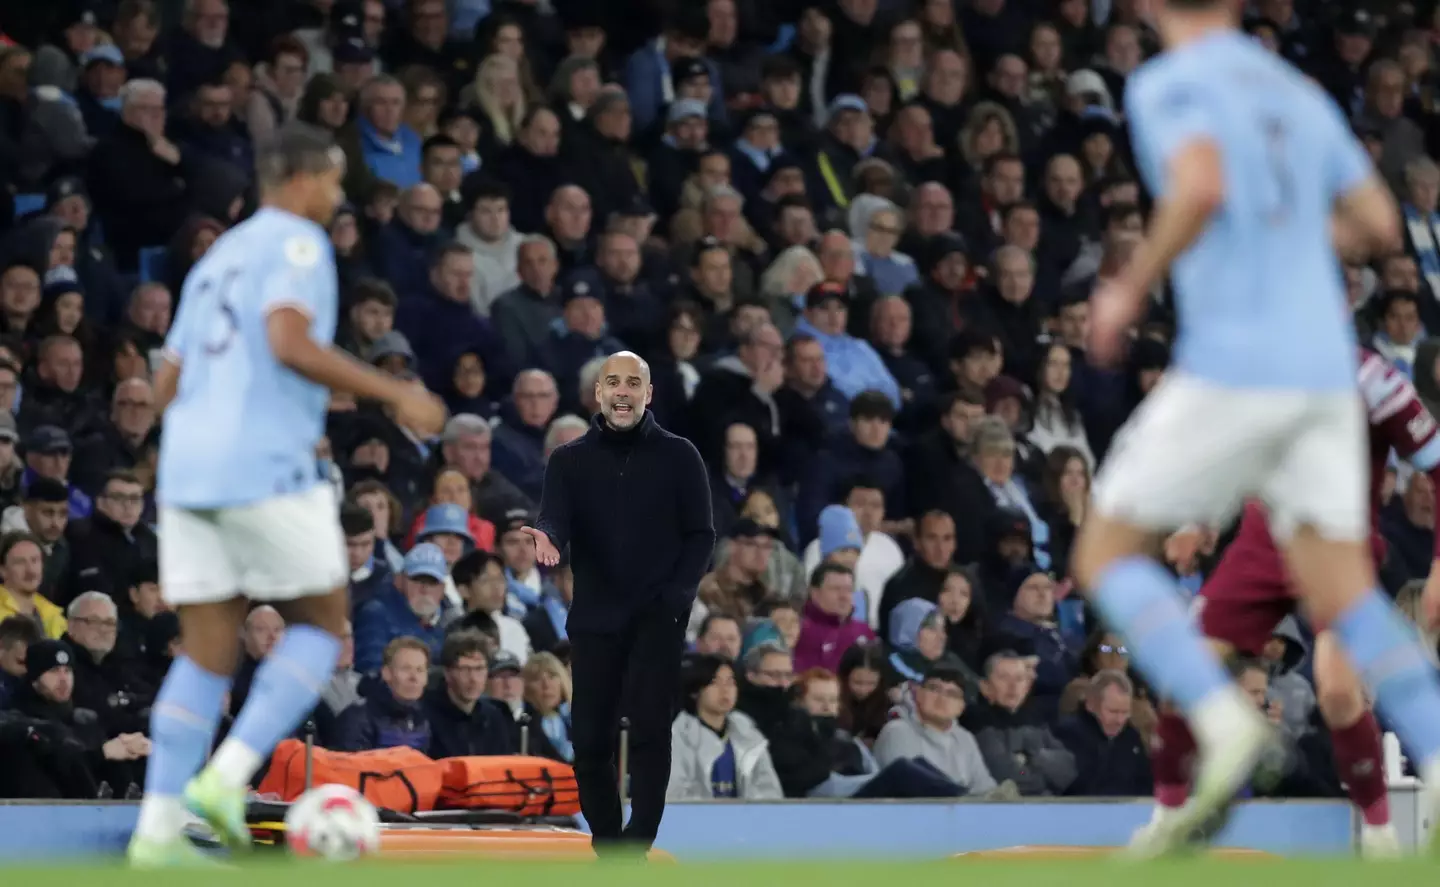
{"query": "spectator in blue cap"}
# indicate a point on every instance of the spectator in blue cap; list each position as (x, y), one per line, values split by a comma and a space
(849, 138)
(675, 159)
(415, 608)
(98, 94)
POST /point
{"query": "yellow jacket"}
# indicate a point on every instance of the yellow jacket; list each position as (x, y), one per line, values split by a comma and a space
(51, 616)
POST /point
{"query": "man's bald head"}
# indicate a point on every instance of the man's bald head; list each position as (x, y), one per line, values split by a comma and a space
(623, 390)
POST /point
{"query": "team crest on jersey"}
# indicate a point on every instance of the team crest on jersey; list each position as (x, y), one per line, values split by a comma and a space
(302, 251)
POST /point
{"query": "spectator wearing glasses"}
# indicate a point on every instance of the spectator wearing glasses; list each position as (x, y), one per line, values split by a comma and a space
(120, 442)
(930, 732)
(105, 682)
(795, 748)
(462, 720)
(108, 546)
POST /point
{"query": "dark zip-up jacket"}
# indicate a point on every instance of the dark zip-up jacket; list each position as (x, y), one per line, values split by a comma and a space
(634, 508)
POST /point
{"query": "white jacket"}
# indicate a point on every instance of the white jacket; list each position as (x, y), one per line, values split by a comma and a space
(694, 748)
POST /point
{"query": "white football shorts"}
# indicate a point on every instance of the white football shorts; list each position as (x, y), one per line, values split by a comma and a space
(277, 549)
(1194, 452)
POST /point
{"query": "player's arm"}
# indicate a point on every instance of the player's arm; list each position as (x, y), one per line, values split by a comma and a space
(1195, 189)
(288, 329)
(1369, 217)
(1407, 427)
(167, 381)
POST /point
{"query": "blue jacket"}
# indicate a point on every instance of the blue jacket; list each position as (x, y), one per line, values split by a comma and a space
(644, 71)
(381, 620)
(384, 722)
(379, 583)
(1058, 662)
(81, 505)
(440, 329)
(854, 366)
(395, 160)
(517, 452)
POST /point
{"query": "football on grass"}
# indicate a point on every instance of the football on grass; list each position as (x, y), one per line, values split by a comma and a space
(332, 822)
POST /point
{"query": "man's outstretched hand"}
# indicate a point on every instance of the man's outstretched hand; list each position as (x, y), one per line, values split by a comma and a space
(545, 551)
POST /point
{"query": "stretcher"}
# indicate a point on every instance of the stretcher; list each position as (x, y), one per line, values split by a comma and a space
(475, 834)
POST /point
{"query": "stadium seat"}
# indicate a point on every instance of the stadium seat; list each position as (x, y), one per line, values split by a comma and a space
(152, 263)
(25, 204)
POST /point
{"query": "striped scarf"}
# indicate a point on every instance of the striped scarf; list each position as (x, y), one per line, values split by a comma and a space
(1424, 231)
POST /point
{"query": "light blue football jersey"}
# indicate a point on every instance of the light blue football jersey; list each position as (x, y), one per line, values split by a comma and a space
(1260, 301)
(242, 427)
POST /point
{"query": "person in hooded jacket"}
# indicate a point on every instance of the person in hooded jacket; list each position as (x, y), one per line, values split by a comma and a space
(1032, 617)
(917, 643)
(1283, 655)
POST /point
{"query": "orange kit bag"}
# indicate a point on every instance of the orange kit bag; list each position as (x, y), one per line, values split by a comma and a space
(528, 786)
(400, 779)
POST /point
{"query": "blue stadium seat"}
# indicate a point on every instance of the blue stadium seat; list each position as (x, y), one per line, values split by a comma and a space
(783, 39)
(152, 263)
(28, 203)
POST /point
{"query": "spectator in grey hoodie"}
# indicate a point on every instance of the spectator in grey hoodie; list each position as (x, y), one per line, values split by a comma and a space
(1289, 691)
(718, 752)
(492, 240)
(930, 731)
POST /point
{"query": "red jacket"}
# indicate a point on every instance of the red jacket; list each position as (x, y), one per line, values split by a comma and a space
(825, 638)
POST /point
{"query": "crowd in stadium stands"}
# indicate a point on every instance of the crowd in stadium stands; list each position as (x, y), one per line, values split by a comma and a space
(853, 238)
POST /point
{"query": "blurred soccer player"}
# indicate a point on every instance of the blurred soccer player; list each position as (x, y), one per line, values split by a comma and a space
(1250, 592)
(1248, 161)
(243, 509)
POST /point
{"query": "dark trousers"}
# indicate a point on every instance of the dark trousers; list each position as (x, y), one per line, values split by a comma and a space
(635, 672)
(910, 778)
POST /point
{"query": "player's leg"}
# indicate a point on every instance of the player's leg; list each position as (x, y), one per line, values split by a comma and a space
(196, 577)
(1355, 737)
(294, 557)
(1325, 525)
(1182, 458)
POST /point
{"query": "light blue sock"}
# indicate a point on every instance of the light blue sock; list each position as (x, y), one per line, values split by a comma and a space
(287, 686)
(1388, 654)
(182, 726)
(1141, 601)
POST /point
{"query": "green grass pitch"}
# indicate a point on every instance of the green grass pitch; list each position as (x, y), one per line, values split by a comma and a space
(942, 873)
